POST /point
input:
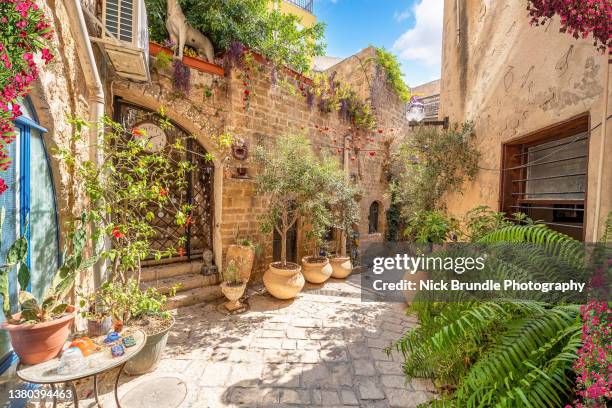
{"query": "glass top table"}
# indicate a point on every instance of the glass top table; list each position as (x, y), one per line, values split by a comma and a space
(96, 363)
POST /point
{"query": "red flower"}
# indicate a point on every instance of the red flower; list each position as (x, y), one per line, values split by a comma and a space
(117, 233)
(138, 132)
(372, 154)
(3, 186)
(163, 192)
(380, 130)
(246, 92)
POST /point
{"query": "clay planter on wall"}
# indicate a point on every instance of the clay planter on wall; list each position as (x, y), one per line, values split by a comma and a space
(233, 293)
(316, 269)
(341, 267)
(243, 256)
(283, 283)
(193, 62)
(40, 342)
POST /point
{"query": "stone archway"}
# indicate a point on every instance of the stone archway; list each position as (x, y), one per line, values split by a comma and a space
(190, 118)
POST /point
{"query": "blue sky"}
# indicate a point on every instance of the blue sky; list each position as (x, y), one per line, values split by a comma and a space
(412, 29)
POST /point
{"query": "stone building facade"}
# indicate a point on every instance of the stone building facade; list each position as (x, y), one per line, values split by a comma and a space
(275, 110)
(528, 89)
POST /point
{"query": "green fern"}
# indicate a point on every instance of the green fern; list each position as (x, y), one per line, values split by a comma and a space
(503, 353)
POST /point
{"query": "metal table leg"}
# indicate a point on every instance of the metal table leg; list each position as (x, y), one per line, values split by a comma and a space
(117, 385)
(95, 381)
(54, 395)
(75, 397)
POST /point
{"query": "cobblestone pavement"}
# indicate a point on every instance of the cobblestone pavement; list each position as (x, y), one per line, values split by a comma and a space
(324, 348)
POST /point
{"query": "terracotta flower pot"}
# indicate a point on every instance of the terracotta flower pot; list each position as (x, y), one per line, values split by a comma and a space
(243, 256)
(283, 283)
(341, 267)
(318, 271)
(233, 293)
(39, 342)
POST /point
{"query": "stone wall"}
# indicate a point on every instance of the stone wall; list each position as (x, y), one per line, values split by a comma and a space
(274, 110)
(512, 79)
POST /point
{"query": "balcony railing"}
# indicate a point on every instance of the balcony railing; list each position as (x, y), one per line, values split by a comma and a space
(303, 4)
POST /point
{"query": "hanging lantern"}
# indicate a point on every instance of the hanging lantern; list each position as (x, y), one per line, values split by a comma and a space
(416, 110)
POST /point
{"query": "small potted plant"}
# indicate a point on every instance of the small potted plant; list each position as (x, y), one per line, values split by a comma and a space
(233, 286)
(38, 332)
(97, 314)
(145, 310)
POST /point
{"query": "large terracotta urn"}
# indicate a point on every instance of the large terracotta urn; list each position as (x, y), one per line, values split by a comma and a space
(283, 282)
(341, 267)
(316, 269)
(243, 256)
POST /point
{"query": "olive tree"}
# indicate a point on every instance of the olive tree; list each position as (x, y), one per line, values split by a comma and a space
(296, 183)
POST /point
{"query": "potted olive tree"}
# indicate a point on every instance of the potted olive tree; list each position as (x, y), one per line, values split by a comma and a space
(39, 330)
(291, 177)
(345, 213)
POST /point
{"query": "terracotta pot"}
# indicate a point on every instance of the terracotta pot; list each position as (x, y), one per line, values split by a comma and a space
(39, 342)
(99, 328)
(283, 283)
(243, 256)
(233, 293)
(341, 267)
(193, 62)
(316, 272)
(148, 358)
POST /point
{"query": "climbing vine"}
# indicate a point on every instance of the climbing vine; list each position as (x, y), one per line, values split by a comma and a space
(389, 63)
(24, 35)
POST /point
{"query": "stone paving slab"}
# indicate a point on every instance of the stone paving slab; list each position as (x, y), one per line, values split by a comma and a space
(322, 349)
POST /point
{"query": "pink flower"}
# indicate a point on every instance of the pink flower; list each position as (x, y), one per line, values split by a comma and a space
(47, 56)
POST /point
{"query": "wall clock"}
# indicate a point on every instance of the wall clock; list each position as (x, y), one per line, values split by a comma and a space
(156, 135)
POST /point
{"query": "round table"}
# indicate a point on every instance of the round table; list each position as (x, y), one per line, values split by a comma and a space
(97, 363)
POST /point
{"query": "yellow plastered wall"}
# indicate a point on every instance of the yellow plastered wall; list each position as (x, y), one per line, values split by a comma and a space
(307, 19)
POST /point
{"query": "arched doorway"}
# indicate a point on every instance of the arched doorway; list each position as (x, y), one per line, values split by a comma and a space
(374, 218)
(196, 237)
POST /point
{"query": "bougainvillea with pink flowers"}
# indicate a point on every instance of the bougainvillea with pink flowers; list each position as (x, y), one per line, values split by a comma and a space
(594, 364)
(579, 18)
(24, 35)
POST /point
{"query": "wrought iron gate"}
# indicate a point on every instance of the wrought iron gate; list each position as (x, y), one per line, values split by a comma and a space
(196, 237)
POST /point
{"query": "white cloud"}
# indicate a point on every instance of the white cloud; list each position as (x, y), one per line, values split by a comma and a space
(400, 16)
(423, 42)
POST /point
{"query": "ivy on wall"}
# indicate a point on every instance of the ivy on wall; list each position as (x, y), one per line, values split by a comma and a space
(389, 63)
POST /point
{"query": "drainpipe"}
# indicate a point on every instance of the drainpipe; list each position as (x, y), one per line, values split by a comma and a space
(95, 90)
(602, 146)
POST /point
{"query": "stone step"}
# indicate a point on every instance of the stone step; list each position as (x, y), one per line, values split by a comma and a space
(157, 272)
(194, 296)
(184, 282)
